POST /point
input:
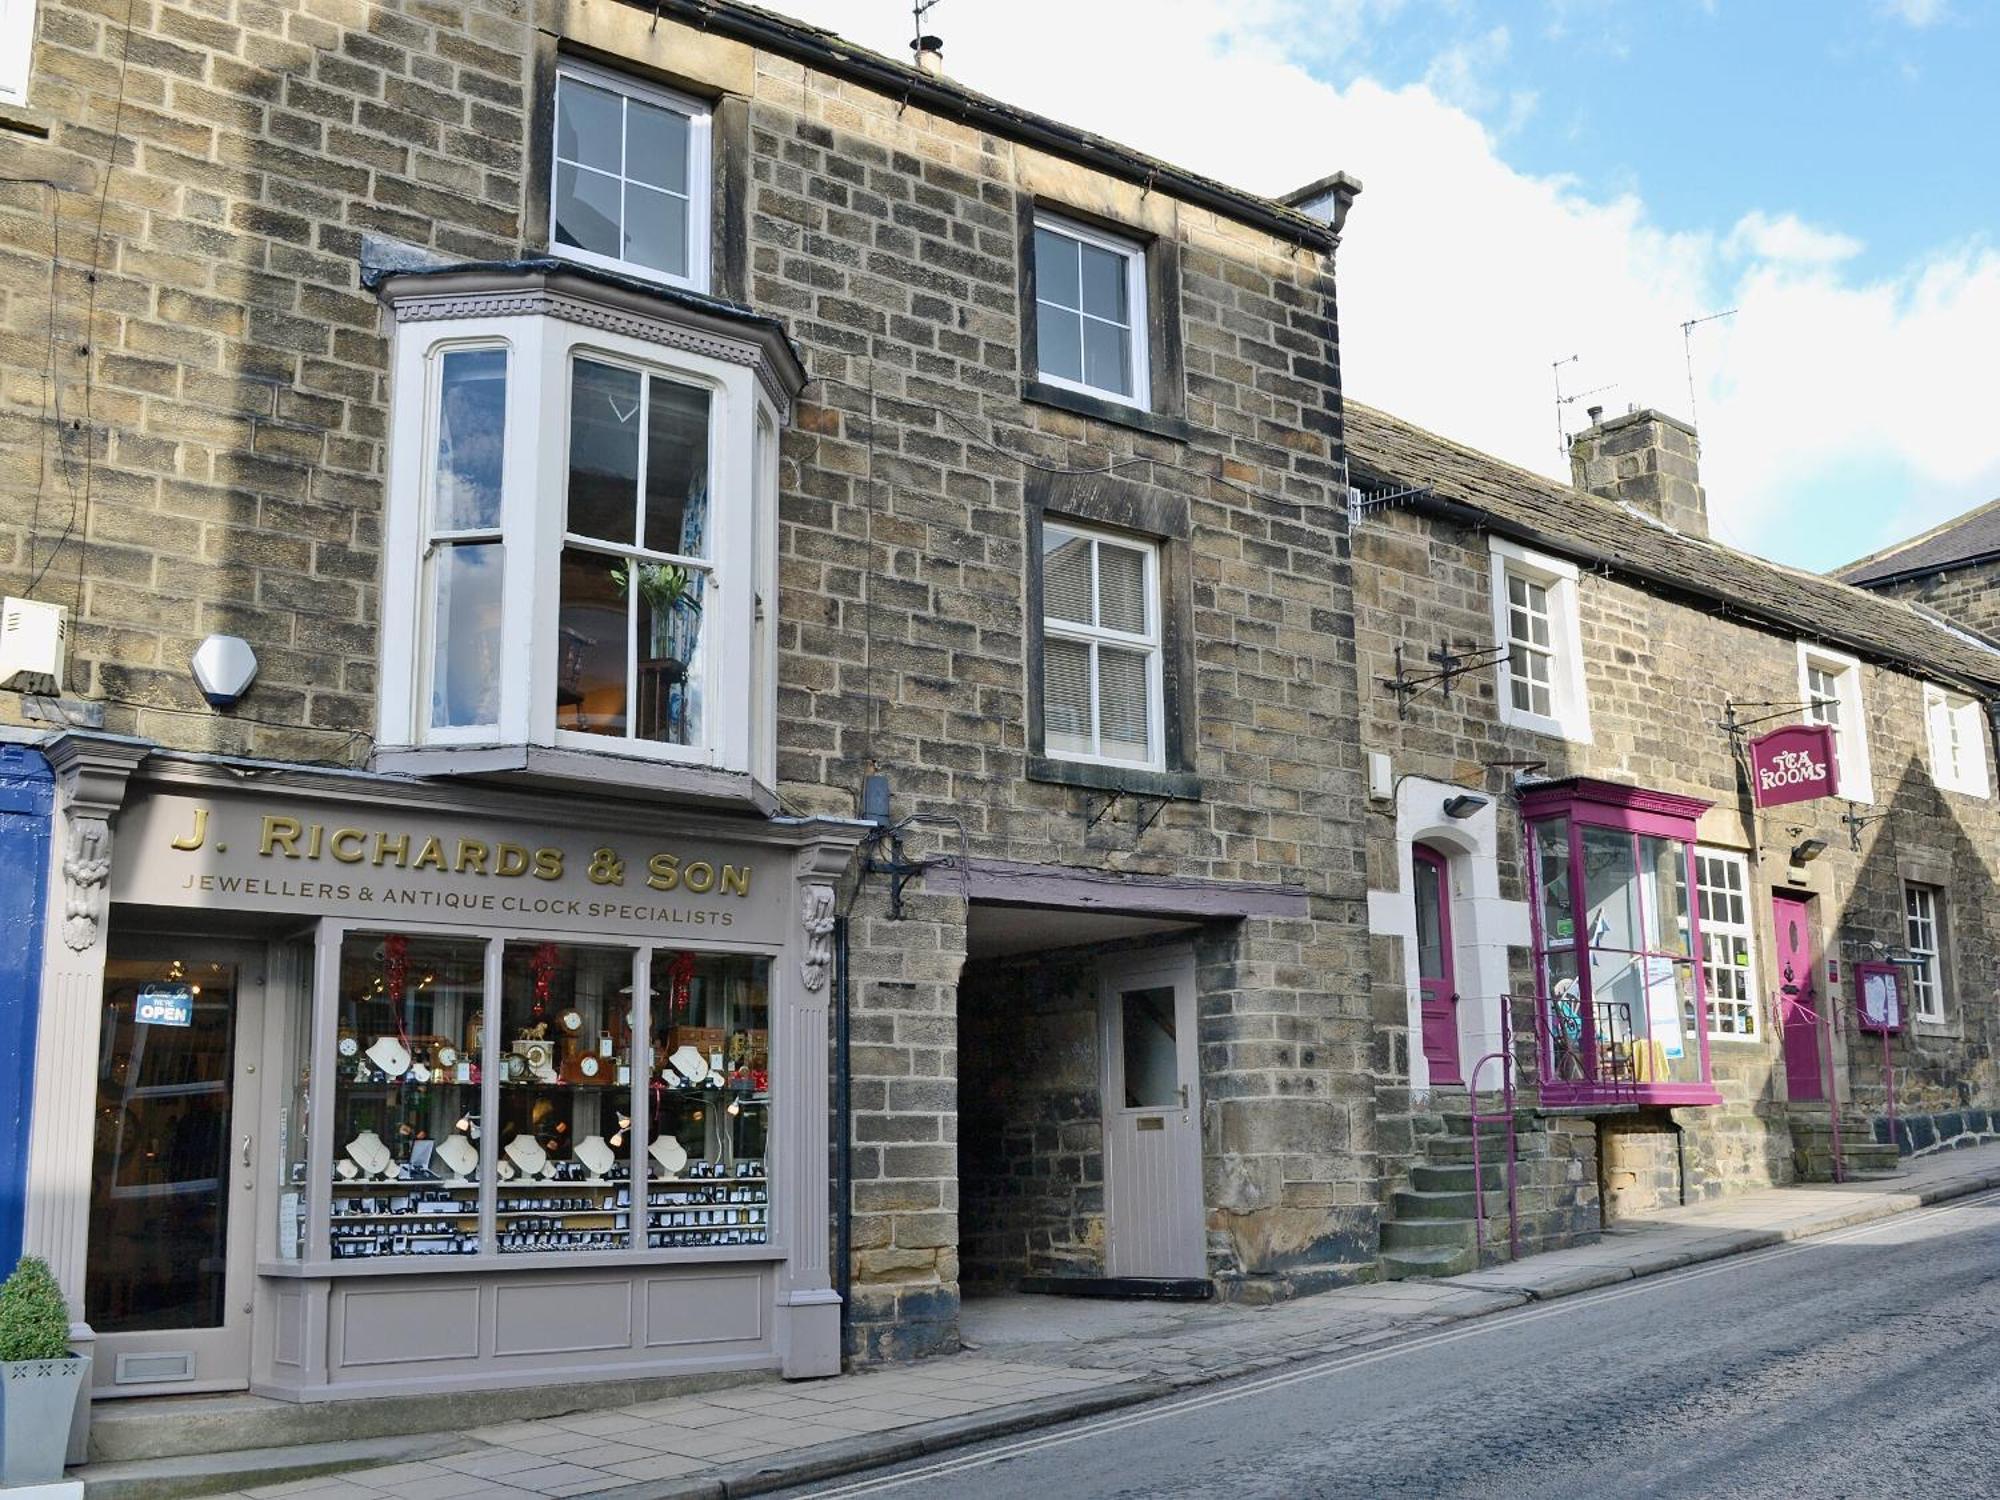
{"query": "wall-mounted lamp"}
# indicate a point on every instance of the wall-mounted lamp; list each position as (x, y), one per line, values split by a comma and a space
(1807, 850)
(1465, 805)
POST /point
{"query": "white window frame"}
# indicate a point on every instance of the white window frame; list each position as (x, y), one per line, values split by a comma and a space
(701, 159)
(1857, 782)
(1567, 693)
(1712, 898)
(1924, 937)
(1151, 642)
(1956, 729)
(17, 49)
(739, 694)
(1134, 255)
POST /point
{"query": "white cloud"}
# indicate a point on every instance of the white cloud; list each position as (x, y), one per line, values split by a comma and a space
(1462, 280)
(1917, 13)
(1789, 240)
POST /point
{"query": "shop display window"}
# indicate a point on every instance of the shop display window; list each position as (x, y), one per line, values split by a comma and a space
(1623, 1009)
(709, 1101)
(406, 1129)
(565, 1117)
(503, 1096)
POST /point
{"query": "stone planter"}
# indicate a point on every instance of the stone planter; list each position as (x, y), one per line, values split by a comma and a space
(37, 1400)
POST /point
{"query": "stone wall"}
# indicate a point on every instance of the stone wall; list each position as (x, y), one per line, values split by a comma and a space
(1969, 596)
(220, 469)
(1658, 671)
(1031, 1122)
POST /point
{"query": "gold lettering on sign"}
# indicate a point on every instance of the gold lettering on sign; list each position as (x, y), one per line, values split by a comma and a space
(510, 859)
(665, 872)
(471, 858)
(430, 857)
(699, 876)
(193, 840)
(350, 836)
(735, 881)
(395, 850)
(280, 833)
(548, 864)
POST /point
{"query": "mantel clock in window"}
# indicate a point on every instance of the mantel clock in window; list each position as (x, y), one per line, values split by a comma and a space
(1101, 660)
(629, 183)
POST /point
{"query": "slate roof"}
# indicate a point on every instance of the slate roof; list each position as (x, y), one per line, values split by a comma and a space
(1385, 452)
(1963, 539)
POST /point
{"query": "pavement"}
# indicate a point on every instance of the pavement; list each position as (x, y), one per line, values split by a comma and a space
(1037, 1361)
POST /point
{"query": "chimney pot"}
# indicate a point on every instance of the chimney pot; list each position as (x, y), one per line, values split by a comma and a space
(1595, 413)
(930, 54)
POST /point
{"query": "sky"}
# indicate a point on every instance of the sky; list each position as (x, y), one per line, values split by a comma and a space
(1555, 178)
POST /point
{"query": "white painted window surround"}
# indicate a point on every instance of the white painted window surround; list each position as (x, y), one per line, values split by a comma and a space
(1728, 943)
(1956, 729)
(629, 176)
(1830, 687)
(1540, 682)
(1090, 312)
(510, 610)
(1924, 938)
(17, 48)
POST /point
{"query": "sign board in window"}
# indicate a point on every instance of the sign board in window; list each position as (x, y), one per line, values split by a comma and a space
(1879, 992)
(165, 1005)
(1793, 764)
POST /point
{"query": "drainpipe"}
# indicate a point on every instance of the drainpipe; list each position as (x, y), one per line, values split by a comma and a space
(843, 1132)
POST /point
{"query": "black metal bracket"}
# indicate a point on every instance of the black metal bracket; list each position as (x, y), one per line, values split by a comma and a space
(1147, 813)
(899, 870)
(1451, 665)
(1855, 821)
(1099, 811)
(1736, 726)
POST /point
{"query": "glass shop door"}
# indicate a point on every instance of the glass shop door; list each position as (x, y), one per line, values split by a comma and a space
(173, 1190)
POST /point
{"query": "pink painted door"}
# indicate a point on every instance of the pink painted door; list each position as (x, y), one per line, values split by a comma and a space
(1435, 976)
(1798, 1006)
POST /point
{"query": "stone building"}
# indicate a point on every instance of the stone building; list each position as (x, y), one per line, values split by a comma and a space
(1586, 665)
(654, 601)
(1953, 569)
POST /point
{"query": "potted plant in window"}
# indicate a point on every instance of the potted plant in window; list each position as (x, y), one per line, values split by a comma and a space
(39, 1376)
(672, 595)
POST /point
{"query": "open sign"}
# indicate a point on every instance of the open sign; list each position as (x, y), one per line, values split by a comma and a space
(165, 1005)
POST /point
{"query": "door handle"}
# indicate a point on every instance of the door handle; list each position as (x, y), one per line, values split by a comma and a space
(1184, 1096)
(246, 1150)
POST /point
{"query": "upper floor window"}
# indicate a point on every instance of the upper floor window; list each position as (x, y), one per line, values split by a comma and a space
(1722, 884)
(1830, 689)
(1090, 311)
(1957, 733)
(1923, 936)
(1535, 619)
(581, 527)
(1101, 661)
(629, 178)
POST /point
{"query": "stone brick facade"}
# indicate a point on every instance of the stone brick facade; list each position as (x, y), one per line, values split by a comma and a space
(195, 415)
(1660, 665)
(1968, 594)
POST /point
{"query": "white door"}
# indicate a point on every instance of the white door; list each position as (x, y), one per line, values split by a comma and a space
(1152, 1116)
(173, 1200)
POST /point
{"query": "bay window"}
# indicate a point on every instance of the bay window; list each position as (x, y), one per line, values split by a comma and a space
(1622, 1002)
(581, 528)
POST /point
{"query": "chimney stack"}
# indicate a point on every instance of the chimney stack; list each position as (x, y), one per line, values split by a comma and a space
(930, 54)
(1647, 459)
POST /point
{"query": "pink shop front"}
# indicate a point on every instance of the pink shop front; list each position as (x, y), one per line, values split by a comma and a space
(1621, 1013)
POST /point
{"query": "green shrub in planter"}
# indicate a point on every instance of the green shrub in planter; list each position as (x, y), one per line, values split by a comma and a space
(39, 1377)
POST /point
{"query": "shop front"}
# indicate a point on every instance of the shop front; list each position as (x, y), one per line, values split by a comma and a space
(396, 1088)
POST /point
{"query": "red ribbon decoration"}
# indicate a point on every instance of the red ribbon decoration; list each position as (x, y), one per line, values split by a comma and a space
(544, 965)
(395, 979)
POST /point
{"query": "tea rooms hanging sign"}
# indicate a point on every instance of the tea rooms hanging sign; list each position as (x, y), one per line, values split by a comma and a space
(1793, 764)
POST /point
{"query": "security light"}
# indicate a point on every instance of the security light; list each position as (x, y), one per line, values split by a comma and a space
(1465, 805)
(1808, 850)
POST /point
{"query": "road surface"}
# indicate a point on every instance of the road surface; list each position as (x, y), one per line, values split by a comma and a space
(1852, 1366)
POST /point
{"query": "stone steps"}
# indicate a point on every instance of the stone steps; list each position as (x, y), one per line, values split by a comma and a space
(1456, 1177)
(169, 1478)
(1419, 1263)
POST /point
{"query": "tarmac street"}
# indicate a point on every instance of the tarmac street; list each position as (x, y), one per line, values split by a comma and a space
(1856, 1364)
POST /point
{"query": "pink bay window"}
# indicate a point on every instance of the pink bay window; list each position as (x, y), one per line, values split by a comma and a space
(1621, 1012)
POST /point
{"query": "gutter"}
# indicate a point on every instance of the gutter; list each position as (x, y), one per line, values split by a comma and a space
(939, 95)
(1617, 565)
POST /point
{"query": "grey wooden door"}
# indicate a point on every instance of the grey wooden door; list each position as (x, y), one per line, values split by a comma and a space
(1152, 1116)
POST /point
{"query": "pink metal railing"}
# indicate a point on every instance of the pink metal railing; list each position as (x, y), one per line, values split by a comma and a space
(1505, 1057)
